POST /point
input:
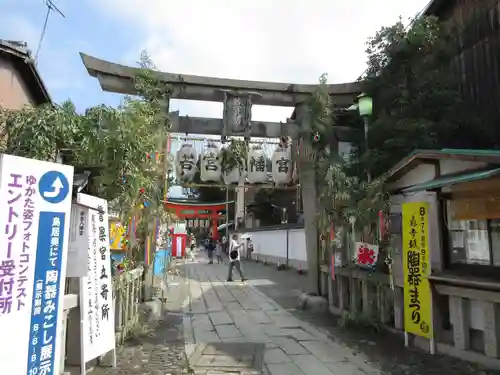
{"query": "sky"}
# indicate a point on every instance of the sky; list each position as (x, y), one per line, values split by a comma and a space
(292, 41)
(270, 40)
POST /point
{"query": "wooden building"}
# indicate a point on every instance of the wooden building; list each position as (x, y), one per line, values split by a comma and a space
(475, 25)
(462, 191)
(20, 82)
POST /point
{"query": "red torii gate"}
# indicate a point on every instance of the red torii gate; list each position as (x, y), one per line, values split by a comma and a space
(188, 210)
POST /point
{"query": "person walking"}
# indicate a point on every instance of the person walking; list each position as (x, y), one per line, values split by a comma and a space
(224, 244)
(218, 252)
(192, 246)
(249, 249)
(210, 250)
(234, 258)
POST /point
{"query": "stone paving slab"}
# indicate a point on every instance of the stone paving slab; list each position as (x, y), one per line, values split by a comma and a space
(276, 355)
(228, 331)
(289, 345)
(262, 312)
(220, 318)
(309, 364)
(241, 358)
(284, 369)
(246, 315)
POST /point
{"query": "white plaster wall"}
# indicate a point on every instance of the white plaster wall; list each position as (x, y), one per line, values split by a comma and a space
(273, 243)
(453, 166)
(422, 173)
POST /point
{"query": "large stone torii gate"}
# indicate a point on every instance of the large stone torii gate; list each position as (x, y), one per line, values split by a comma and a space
(237, 97)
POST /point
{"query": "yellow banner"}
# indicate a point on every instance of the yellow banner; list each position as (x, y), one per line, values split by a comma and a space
(116, 235)
(416, 269)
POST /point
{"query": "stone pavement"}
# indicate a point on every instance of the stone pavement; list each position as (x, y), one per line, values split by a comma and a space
(230, 315)
(261, 314)
(214, 327)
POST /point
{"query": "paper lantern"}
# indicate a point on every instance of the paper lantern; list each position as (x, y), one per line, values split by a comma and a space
(295, 175)
(256, 166)
(233, 176)
(282, 165)
(186, 163)
(210, 163)
(170, 163)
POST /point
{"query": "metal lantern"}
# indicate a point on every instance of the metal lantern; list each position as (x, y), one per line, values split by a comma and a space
(282, 165)
(186, 163)
(256, 166)
(210, 163)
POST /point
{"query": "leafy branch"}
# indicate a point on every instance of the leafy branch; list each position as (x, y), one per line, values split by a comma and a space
(112, 143)
(234, 156)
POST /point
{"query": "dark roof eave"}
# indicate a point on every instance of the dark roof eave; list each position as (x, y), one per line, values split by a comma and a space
(43, 95)
(434, 7)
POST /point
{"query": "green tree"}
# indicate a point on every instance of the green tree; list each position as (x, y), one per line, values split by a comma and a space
(113, 143)
(413, 78)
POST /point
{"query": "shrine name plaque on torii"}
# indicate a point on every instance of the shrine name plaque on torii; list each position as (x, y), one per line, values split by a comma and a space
(237, 97)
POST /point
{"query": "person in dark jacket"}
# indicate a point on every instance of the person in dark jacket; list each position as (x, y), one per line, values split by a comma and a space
(210, 250)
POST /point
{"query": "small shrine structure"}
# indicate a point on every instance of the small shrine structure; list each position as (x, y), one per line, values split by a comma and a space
(187, 210)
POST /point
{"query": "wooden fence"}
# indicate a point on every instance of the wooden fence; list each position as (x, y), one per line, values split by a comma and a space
(128, 289)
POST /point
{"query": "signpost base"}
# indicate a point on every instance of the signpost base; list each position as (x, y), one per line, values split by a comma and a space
(432, 343)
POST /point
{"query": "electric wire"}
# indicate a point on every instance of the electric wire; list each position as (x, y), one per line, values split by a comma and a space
(51, 7)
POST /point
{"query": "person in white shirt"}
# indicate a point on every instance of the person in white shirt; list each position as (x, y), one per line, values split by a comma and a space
(234, 258)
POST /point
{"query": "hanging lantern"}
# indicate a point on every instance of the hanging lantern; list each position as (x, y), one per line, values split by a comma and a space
(282, 165)
(210, 163)
(295, 174)
(170, 163)
(256, 165)
(186, 163)
(233, 176)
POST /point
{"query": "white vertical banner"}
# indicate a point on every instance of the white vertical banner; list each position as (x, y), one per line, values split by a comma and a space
(96, 289)
(78, 241)
(35, 204)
